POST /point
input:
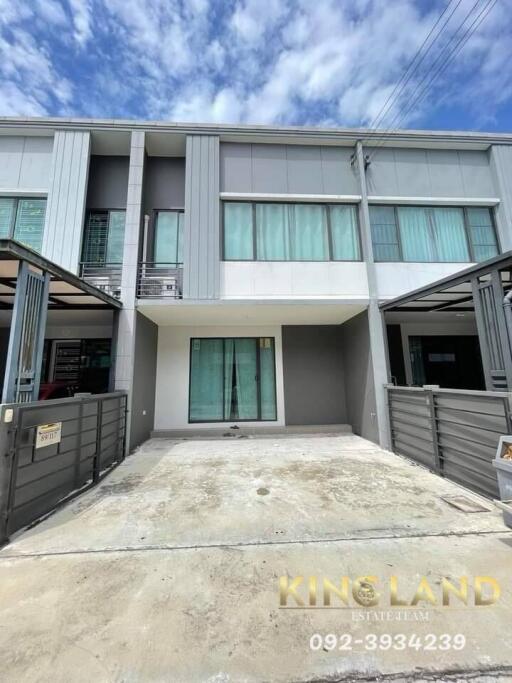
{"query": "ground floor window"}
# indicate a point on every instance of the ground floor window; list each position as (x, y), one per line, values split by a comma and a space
(232, 379)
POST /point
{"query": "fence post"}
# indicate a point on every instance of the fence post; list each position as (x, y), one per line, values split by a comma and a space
(6, 465)
(97, 460)
(78, 456)
(433, 425)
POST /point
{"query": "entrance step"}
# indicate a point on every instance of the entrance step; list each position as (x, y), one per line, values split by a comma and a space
(229, 431)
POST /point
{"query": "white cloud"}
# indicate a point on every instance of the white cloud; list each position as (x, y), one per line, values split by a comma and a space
(51, 11)
(82, 20)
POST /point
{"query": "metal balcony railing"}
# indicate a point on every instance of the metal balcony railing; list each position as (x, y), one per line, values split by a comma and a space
(159, 280)
(104, 276)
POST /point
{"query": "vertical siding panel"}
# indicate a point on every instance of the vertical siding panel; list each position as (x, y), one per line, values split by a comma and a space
(66, 198)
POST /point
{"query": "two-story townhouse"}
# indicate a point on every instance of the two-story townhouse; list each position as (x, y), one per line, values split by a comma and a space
(250, 261)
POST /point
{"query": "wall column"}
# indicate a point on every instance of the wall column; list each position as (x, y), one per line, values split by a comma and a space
(127, 319)
(500, 157)
(378, 341)
(67, 192)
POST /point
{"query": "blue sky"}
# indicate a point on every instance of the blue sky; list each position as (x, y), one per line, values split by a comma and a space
(300, 62)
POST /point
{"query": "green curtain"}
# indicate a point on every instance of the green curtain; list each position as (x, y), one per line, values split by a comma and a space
(238, 236)
(7, 209)
(415, 233)
(308, 233)
(229, 374)
(29, 225)
(483, 237)
(345, 238)
(246, 379)
(167, 237)
(450, 234)
(115, 240)
(267, 379)
(206, 380)
(384, 233)
(272, 232)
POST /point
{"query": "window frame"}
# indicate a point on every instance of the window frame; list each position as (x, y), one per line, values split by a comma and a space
(154, 220)
(463, 207)
(88, 212)
(12, 226)
(327, 207)
(258, 370)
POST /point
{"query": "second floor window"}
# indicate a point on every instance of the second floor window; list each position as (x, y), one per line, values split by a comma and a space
(168, 238)
(104, 237)
(23, 220)
(290, 232)
(432, 234)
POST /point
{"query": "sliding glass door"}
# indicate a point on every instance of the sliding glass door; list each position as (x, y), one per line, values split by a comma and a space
(232, 379)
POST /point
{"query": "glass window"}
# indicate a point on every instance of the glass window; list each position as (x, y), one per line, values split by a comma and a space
(308, 233)
(432, 234)
(238, 232)
(345, 238)
(481, 233)
(104, 237)
(272, 232)
(232, 379)
(29, 225)
(168, 245)
(7, 212)
(384, 233)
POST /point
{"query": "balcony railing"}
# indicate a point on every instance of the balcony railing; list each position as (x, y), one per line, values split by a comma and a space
(104, 276)
(159, 280)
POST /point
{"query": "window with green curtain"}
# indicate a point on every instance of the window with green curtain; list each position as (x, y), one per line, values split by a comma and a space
(168, 241)
(238, 231)
(232, 379)
(7, 213)
(29, 225)
(308, 233)
(104, 237)
(481, 233)
(344, 234)
(449, 234)
(384, 233)
(415, 234)
(272, 232)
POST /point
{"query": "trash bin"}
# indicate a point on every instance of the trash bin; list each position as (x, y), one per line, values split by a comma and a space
(503, 465)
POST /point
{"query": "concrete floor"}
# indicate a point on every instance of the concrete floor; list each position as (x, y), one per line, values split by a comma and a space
(169, 570)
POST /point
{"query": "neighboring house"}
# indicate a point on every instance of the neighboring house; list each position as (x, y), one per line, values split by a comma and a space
(250, 262)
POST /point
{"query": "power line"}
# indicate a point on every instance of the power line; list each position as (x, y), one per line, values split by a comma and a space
(409, 72)
(400, 116)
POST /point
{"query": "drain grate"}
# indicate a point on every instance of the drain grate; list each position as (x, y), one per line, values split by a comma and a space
(466, 504)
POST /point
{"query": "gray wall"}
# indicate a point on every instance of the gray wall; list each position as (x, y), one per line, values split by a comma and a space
(314, 391)
(359, 384)
(144, 380)
(280, 169)
(501, 167)
(66, 198)
(108, 182)
(25, 162)
(201, 243)
(164, 183)
(430, 173)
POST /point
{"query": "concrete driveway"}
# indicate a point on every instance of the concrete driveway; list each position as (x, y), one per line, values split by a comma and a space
(170, 569)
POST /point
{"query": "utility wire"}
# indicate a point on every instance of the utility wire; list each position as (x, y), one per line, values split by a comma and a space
(412, 67)
(415, 100)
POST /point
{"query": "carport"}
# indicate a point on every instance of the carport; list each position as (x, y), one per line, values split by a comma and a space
(37, 295)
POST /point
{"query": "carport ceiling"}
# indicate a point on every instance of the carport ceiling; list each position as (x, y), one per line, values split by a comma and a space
(247, 312)
(67, 291)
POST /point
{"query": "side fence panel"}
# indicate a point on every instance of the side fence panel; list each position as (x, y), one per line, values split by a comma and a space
(91, 441)
(453, 433)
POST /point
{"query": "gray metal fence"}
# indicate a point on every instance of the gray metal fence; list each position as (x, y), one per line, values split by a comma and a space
(52, 449)
(454, 433)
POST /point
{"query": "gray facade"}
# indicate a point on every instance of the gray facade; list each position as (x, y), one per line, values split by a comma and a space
(144, 378)
(314, 388)
(108, 182)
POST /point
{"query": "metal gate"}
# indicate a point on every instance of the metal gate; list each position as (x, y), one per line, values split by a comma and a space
(453, 433)
(53, 449)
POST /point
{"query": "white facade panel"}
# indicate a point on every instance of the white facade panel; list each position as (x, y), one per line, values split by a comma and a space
(173, 367)
(293, 279)
(395, 279)
(66, 199)
(25, 164)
